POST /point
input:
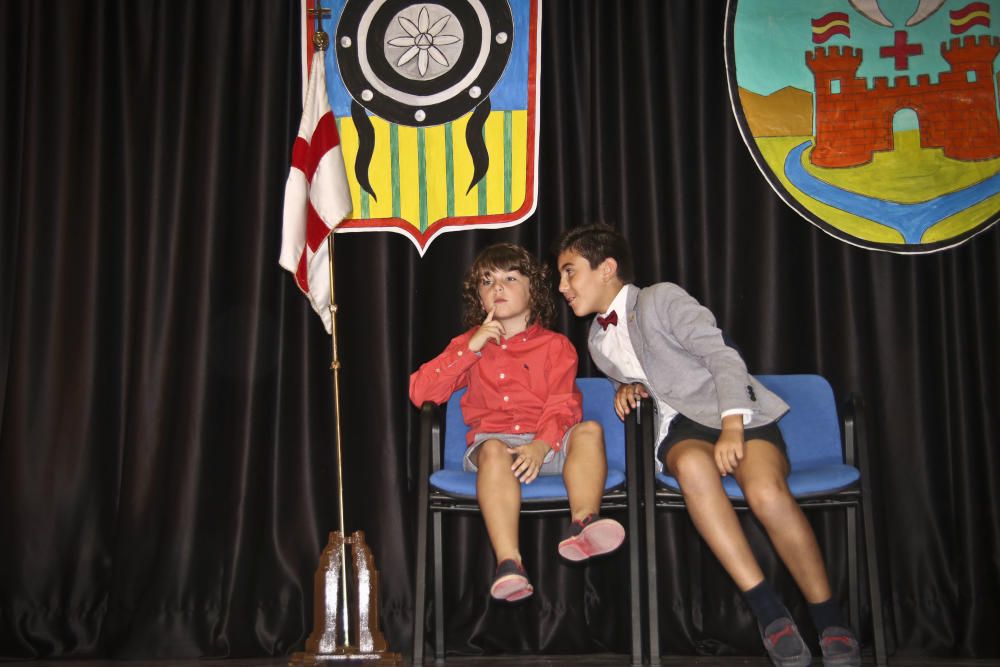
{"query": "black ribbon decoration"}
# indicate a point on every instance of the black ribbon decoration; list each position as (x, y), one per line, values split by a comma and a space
(366, 147)
(477, 145)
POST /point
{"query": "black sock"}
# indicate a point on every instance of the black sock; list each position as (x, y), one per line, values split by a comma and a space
(765, 604)
(827, 614)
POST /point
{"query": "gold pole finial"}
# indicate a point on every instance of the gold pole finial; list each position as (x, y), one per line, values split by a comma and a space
(320, 39)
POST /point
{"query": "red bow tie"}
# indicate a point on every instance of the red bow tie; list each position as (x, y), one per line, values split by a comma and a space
(610, 321)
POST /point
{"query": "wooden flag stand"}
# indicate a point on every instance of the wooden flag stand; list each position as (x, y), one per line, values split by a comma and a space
(333, 612)
(326, 642)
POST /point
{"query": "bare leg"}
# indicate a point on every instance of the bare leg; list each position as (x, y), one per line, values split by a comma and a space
(585, 469)
(762, 475)
(693, 464)
(584, 473)
(499, 495)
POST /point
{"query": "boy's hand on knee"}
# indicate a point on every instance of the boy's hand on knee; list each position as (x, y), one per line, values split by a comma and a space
(729, 451)
(627, 398)
(528, 460)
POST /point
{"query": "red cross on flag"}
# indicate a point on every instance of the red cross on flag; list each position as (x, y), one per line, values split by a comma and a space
(317, 198)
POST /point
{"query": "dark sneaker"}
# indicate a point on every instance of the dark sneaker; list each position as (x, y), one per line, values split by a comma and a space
(510, 583)
(785, 645)
(840, 647)
(592, 536)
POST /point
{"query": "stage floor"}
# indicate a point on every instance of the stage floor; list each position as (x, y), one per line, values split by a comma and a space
(600, 660)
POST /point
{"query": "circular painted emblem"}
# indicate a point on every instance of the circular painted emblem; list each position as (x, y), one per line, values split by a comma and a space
(875, 120)
(422, 64)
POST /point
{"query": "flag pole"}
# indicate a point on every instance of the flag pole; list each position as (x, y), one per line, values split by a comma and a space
(335, 369)
(332, 601)
(320, 42)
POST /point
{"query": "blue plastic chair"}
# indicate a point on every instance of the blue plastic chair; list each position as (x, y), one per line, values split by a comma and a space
(828, 470)
(444, 487)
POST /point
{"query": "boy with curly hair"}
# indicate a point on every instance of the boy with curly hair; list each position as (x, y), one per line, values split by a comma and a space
(523, 410)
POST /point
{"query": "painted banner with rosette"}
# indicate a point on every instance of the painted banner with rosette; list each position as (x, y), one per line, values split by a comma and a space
(436, 104)
(876, 120)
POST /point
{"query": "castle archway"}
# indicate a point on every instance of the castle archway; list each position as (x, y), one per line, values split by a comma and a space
(906, 129)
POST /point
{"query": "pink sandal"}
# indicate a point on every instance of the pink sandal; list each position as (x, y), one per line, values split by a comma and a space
(510, 583)
(592, 536)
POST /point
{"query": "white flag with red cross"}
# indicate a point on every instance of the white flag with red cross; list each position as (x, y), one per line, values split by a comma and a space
(317, 198)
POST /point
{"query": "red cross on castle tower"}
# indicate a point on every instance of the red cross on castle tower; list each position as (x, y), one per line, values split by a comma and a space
(901, 50)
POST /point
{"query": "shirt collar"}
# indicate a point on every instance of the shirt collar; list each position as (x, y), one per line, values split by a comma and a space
(532, 331)
(618, 303)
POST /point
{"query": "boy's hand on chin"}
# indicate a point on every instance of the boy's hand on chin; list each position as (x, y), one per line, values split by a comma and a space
(489, 330)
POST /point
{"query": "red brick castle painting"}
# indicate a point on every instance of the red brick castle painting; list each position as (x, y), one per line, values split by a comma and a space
(958, 112)
(877, 120)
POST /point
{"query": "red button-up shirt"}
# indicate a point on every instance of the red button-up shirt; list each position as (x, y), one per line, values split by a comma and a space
(525, 384)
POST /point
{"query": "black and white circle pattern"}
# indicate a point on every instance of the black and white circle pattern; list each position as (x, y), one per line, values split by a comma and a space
(423, 63)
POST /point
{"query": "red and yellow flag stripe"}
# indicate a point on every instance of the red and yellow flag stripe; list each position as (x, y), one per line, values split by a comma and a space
(834, 23)
(973, 14)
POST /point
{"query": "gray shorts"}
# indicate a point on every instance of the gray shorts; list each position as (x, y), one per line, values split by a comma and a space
(552, 465)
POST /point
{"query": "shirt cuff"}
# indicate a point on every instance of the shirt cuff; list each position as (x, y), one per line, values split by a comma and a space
(747, 414)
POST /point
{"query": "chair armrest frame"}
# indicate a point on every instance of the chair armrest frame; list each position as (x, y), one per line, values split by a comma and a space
(430, 438)
(853, 424)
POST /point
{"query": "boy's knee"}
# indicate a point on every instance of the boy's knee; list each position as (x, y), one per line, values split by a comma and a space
(590, 429)
(694, 470)
(492, 451)
(766, 495)
(587, 440)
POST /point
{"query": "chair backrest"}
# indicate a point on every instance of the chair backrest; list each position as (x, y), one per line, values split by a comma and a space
(598, 405)
(811, 427)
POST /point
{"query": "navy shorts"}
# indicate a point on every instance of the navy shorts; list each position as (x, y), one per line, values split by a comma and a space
(682, 428)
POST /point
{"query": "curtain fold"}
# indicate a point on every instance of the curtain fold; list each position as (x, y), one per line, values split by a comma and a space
(167, 469)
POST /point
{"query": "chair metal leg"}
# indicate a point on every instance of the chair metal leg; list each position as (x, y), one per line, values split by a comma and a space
(430, 436)
(874, 581)
(856, 432)
(438, 588)
(635, 585)
(420, 592)
(649, 511)
(652, 603)
(854, 609)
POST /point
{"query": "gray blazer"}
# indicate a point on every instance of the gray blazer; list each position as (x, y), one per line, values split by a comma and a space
(686, 362)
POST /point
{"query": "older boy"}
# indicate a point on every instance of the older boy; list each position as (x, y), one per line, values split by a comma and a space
(715, 419)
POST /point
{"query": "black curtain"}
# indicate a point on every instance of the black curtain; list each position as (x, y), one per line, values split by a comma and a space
(167, 473)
